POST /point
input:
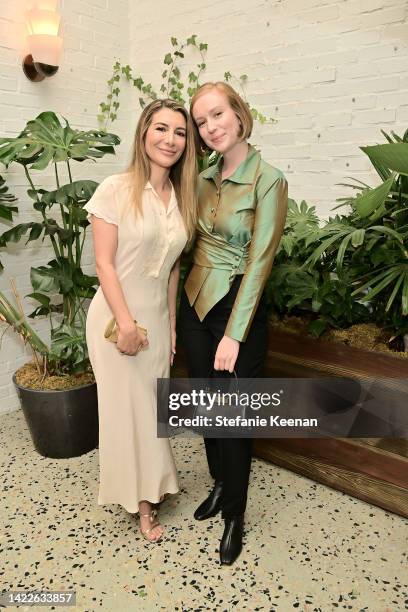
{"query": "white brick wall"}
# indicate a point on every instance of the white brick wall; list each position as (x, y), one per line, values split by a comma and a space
(333, 74)
(95, 32)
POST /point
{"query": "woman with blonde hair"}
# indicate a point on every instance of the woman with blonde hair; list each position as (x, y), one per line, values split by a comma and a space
(141, 221)
(242, 202)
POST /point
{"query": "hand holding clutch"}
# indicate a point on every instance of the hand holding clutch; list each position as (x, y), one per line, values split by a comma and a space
(111, 331)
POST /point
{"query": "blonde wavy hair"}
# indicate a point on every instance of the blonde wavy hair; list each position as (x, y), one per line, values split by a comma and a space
(183, 174)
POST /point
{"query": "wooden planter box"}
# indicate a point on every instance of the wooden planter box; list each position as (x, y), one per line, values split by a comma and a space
(374, 470)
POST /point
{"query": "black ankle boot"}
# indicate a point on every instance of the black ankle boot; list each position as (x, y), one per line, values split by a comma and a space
(210, 506)
(231, 541)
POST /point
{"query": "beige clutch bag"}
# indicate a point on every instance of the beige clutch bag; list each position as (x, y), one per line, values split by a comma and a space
(111, 331)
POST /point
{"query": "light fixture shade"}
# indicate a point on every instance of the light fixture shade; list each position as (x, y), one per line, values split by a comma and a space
(43, 22)
(45, 49)
(47, 5)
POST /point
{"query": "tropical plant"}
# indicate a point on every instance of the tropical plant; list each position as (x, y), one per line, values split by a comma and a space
(371, 242)
(7, 204)
(60, 287)
(299, 287)
(354, 267)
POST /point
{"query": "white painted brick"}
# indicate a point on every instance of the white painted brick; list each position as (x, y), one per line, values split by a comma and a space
(394, 99)
(275, 138)
(333, 119)
(350, 164)
(358, 70)
(397, 32)
(393, 65)
(356, 40)
(77, 33)
(375, 52)
(355, 7)
(358, 135)
(383, 17)
(363, 102)
(8, 84)
(295, 123)
(402, 116)
(102, 3)
(324, 150)
(359, 86)
(377, 117)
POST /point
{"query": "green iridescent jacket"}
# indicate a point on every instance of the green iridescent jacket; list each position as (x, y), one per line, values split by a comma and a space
(241, 220)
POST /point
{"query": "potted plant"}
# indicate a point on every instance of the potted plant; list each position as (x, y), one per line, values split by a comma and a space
(57, 391)
(346, 280)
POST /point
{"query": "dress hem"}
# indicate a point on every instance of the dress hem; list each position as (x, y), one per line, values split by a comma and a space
(104, 503)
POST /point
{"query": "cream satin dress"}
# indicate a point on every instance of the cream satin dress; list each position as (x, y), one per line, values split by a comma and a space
(134, 464)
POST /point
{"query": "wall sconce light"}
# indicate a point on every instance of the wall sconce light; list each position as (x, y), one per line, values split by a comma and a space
(44, 43)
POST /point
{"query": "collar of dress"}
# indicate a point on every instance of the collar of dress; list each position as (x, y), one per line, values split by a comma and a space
(172, 203)
(244, 174)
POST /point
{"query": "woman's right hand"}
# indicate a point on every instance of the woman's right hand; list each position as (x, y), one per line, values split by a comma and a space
(131, 340)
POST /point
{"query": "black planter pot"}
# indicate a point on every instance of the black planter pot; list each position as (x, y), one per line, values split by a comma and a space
(62, 424)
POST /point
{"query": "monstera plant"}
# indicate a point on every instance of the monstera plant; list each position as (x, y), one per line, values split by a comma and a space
(60, 286)
(57, 392)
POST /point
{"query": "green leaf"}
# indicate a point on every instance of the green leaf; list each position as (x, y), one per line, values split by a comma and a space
(43, 280)
(395, 291)
(57, 276)
(342, 250)
(40, 297)
(383, 229)
(192, 40)
(371, 200)
(393, 156)
(6, 202)
(323, 247)
(16, 233)
(317, 327)
(381, 284)
(68, 343)
(167, 59)
(357, 237)
(45, 140)
(404, 300)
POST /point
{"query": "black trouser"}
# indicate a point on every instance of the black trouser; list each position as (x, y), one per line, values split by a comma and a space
(229, 459)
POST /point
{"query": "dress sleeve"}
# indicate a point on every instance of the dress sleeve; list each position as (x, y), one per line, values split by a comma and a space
(103, 203)
(270, 217)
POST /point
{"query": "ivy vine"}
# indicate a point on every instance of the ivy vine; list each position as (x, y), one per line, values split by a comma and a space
(173, 86)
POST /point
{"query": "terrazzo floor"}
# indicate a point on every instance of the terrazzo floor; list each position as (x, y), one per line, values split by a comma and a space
(307, 547)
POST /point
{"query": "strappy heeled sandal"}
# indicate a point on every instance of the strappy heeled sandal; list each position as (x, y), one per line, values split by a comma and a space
(145, 532)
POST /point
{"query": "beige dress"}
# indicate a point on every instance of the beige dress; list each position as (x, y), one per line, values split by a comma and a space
(134, 463)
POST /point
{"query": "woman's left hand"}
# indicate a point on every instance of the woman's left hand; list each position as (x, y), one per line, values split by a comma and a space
(226, 355)
(173, 338)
